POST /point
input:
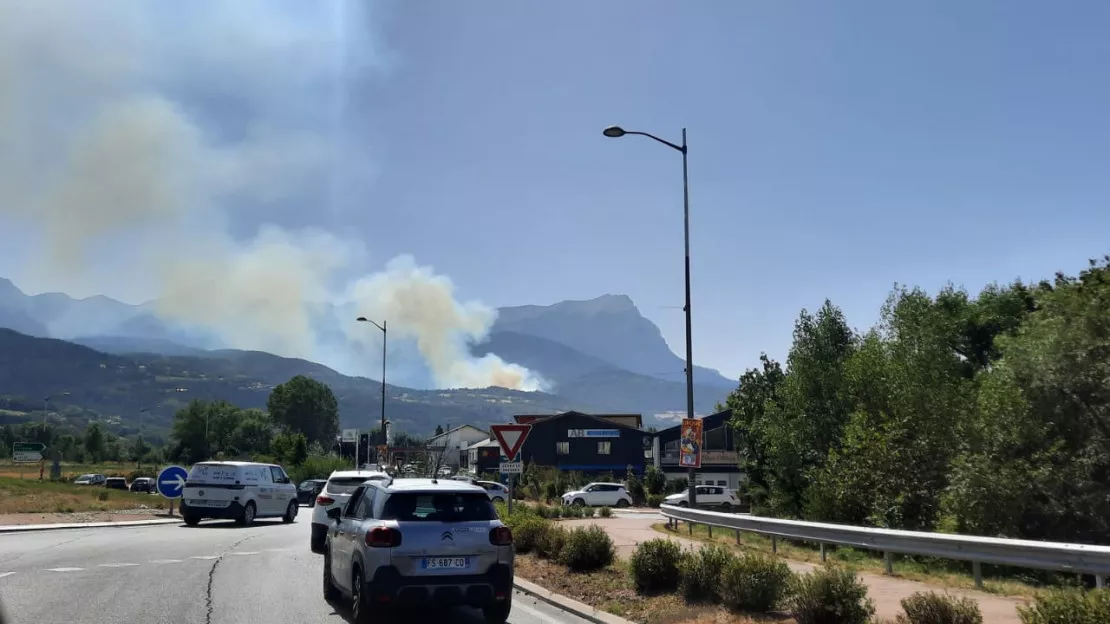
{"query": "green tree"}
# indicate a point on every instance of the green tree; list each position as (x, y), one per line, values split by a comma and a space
(307, 406)
(439, 430)
(94, 442)
(290, 449)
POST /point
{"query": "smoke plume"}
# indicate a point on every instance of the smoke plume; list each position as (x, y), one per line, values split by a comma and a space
(161, 150)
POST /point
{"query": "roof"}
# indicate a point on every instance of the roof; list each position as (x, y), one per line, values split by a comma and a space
(432, 485)
(233, 463)
(601, 418)
(490, 442)
(711, 421)
(344, 474)
(450, 431)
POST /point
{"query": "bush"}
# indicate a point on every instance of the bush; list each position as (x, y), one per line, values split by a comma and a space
(700, 573)
(551, 542)
(655, 500)
(528, 531)
(654, 566)
(605, 512)
(102, 496)
(587, 549)
(934, 608)
(680, 484)
(1068, 606)
(830, 595)
(755, 582)
(655, 481)
(551, 491)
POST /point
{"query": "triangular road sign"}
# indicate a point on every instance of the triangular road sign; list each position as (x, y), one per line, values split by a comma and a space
(511, 438)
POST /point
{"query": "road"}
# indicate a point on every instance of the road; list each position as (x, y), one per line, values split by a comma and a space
(217, 573)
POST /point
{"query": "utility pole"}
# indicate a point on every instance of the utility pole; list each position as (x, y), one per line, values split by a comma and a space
(385, 336)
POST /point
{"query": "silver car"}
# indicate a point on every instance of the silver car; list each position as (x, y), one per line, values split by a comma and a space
(419, 543)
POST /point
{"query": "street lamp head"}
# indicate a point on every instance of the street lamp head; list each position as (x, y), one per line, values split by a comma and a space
(362, 319)
(614, 132)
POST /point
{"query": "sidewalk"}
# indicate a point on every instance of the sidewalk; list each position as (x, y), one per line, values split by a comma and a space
(886, 591)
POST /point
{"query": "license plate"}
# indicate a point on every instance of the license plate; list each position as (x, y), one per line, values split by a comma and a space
(198, 502)
(445, 563)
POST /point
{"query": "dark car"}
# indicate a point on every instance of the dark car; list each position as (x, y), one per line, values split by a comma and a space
(307, 491)
(142, 484)
(115, 483)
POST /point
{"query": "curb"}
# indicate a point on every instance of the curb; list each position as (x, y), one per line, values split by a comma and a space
(569, 605)
(27, 528)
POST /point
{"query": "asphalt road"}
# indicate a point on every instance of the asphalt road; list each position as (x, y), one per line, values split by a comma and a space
(217, 573)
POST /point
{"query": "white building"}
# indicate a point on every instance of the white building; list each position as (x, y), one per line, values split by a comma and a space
(453, 442)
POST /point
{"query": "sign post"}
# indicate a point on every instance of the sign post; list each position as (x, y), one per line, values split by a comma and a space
(511, 439)
(171, 483)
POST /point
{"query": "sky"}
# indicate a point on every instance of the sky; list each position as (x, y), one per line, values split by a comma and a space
(835, 149)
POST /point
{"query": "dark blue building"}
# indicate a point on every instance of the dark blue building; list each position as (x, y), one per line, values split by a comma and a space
(720, 465)
(587, 443)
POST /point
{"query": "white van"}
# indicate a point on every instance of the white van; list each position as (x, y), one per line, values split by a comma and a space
(240, 491)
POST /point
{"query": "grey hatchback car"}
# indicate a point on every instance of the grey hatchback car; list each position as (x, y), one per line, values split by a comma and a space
(411, 543)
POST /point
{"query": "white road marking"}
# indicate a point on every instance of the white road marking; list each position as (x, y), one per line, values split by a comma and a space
(276, 549)
(117, 565)
(244, 553)
(206, 557)
(166, 561)
(3, 574)
(64, 569)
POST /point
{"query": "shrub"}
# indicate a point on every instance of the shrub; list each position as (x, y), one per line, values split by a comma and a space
(655, 500)
(551, 542)
(654, 480)
(528, 531)
(587, 549)
(587, 512)
(1068, 606)
(551, 491)
(635, 488)
(755, 582)
(934, 608)
(700, 573)
(654, 566)
(605, 512)
(678, 485)
(103, 496)
(830, 595)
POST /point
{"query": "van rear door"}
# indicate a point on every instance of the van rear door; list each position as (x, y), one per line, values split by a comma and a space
(213, 485)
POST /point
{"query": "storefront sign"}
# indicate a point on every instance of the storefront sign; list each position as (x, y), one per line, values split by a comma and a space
(594, 433)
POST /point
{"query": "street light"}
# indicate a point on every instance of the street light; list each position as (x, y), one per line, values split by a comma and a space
(139, 451)
(616, 132)
(385, 335)
(46, 408)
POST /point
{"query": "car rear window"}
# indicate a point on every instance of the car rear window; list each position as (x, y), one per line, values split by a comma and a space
(438, 507)
(346, 485)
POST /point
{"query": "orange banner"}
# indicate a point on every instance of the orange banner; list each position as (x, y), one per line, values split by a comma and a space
(689, 455)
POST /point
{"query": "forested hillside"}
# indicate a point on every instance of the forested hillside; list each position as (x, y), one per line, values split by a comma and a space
(987, 415)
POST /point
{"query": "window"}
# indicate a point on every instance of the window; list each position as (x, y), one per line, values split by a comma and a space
(562, 448)
(344, 485)
(436, 507)
(603, 448)
(278, 475)
(350, 509)
(649, 454)
(722, 482)
(365, 507)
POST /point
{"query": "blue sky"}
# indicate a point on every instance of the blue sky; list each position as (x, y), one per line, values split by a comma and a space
(835, 148)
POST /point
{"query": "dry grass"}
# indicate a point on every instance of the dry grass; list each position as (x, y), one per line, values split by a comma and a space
(934, 572)
(611, 590)
(71, 471)
(33, 496)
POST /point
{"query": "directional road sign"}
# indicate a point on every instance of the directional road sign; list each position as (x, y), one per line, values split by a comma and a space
(27, 452)
(511, 468)
(171, 481)
(511, 438)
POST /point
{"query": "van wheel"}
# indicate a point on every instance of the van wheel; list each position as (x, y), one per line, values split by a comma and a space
(683, 504)
(290, 513)
(622, 503)
(726, 507)
(247, 518)
(191, 520)
(498, 613)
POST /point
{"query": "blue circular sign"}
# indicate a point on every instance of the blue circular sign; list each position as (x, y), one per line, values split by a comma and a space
(171, 481)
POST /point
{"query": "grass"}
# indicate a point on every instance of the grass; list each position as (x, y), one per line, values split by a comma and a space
(72, 470)
(611, 590)
(1015, 583)
(34, 496)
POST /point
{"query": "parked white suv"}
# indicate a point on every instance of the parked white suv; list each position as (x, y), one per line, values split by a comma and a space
(599, 495)
(708, 496)
(341, 484)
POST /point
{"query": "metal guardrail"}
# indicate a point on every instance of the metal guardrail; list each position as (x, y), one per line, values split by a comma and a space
(1057, 556)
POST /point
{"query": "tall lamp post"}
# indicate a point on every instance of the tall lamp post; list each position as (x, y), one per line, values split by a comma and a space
(46, 409)
(385, 335)
(139, 450)
(616, 132)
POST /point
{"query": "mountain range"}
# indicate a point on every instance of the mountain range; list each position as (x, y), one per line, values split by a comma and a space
(115, 359)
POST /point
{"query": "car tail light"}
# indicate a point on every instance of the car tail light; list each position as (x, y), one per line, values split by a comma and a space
(501, 536)
(383, 537)
(324, 500)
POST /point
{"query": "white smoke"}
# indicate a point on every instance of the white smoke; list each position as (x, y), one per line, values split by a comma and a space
(136, 139)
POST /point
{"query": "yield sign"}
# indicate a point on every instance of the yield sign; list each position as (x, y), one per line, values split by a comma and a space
(511, 438)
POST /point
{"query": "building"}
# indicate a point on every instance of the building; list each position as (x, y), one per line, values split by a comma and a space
(720, 464)
(450, 444)
(483, 457)
(588, 443)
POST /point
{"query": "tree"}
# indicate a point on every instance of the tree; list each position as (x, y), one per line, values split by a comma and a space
(307, 406)
(94, 441)
(439, 430)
